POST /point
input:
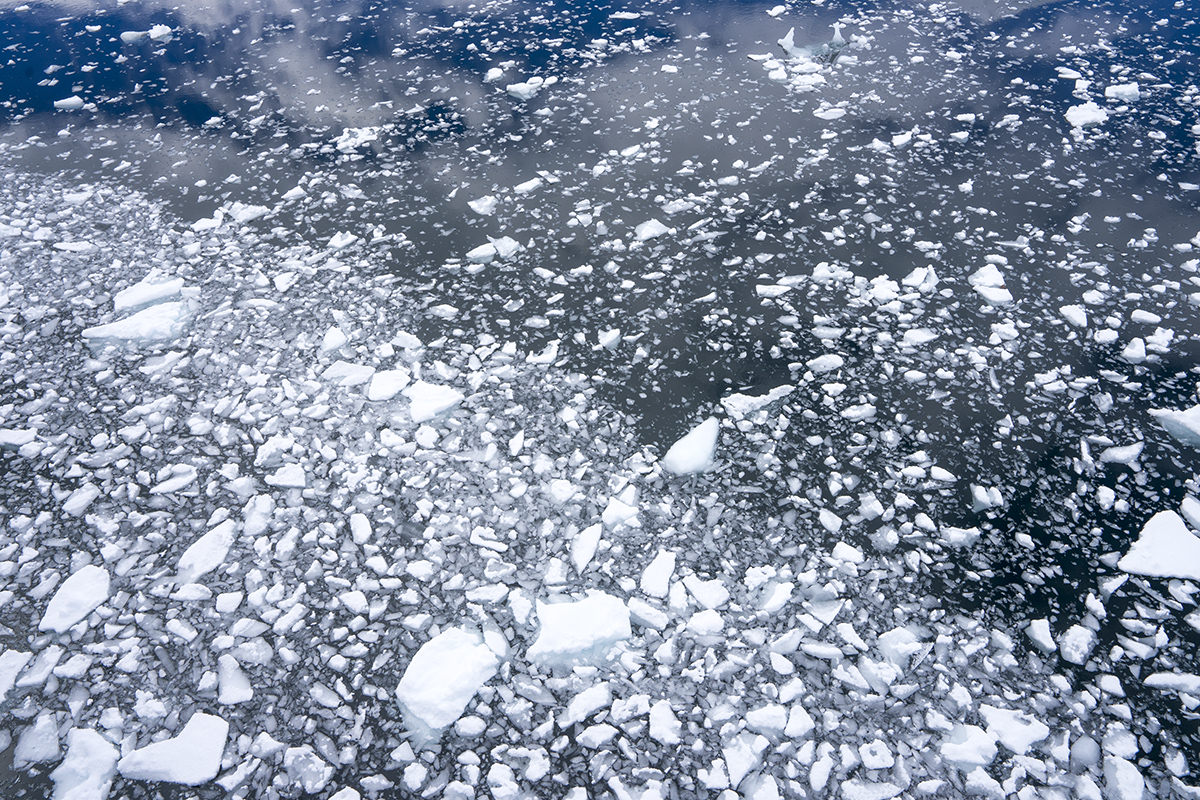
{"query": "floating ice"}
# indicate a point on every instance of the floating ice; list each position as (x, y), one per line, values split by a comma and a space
(77, 597)
(191, 757)
(157, 323)
(87, 771)
(428, 400)
(582, 630)
(650, 229)
(1164, 549)
(694, 451)
(154, 288)
(443, 676)
(1183, 425)
(1086, 114)
(206, 553)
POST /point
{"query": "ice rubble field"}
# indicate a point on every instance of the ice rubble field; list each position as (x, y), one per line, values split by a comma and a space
(267, 532)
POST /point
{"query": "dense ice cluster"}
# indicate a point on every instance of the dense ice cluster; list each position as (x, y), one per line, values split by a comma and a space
(297, 500)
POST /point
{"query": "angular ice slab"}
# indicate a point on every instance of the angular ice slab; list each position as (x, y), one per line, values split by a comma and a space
(430, 399)
(582, 630)
(150, 289)
(192, 757)
(693, 452)
(206, 553)
(1164, 549)
(87, 771)
(1183, 425)
(443, 677)
(157, 323)
(79, 595)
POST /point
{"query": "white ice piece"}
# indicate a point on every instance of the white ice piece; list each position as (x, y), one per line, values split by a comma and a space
(650, 229)
(694, 451)
(1183, 425)
(87, 771)
(428, 400)
(386, 384)
(191, 757)
(1164, 549)
(580, 630)
(206, 553)
(149, 290)
(157, 323)
(1086, 114)
(79, 595)
(443, 676)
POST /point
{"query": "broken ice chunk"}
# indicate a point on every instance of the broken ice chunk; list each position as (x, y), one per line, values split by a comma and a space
(157, 323)
(38, 742)
(151, 289)
(1086, 114)
(969, 746)
(289, 476)
(191, 757)
(1164, 549)
(206, 553)
(1015, 730)
(79, 595)
(1183, 425)
(742, 405)
(657, 575)
(386, 384)
(87, 771)
(650, 229)
(485, 205)
(428, 400)
(582, 630)
(694, 451)
(443, 676)
(234, 686)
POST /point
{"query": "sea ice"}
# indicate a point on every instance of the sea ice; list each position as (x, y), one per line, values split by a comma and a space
(581, 630)
(1165, 549)
(157, 323)
(191, 757)
(428, 400)
(78, 596)
(443, 676)
(206, 553)
(694, 451)
(87, 771)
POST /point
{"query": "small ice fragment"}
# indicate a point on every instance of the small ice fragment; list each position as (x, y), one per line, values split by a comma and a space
(149, 290)
(650, 229)
(78, 596)
(1183, 425)
(386, 384)
(694, 451)
(1123, 92)
(657, 575)
(484, 206)
(72, 103)
(289, 476)
(206, 553)
(38, 743)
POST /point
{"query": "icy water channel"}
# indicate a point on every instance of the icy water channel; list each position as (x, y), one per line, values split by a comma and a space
(544, 400)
